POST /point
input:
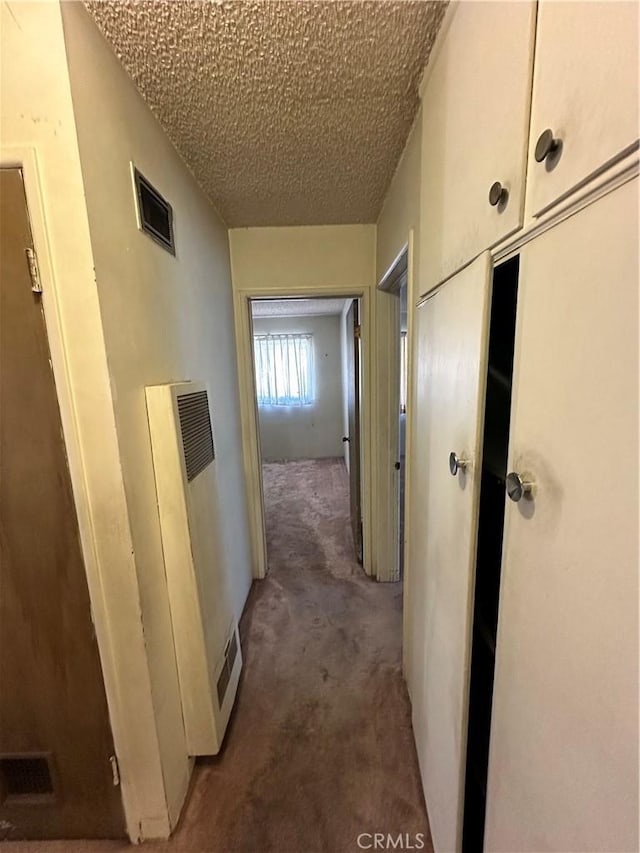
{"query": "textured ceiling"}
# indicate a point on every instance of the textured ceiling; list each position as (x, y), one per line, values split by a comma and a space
(288, 112)
(296, 307)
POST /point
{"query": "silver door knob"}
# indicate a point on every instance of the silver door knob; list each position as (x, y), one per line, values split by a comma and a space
(547, 146)
(456, 464)
(520, 485)
(498, 195)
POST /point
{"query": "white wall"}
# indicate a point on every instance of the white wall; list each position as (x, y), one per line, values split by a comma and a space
(165, 319)
(38, 131)
(314, 431)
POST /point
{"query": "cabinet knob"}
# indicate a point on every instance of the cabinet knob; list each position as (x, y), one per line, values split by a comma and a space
(345, 438)
(498, 194)
(456, 464)
(547, 144)
(519, 486)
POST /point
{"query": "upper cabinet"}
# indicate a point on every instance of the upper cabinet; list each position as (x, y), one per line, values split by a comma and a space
(476, 105)
(584, 113)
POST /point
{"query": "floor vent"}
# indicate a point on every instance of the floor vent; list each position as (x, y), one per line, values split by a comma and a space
(25, 778)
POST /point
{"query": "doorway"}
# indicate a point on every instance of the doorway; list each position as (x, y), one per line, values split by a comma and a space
(58, 772)
(307, 381)
(393, 390)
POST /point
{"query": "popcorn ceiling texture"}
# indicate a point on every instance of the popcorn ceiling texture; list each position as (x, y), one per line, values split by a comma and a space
(288, 113)
(323, 307)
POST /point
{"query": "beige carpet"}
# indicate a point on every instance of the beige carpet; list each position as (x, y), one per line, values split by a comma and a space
(320, 748)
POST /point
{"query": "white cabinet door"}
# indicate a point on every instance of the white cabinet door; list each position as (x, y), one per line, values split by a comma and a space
(475, 128)
(450, 380)
(563, 766)
(585, 90)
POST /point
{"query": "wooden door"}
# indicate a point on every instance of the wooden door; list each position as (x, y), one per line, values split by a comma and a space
(585, 90)
(450, 381)
(353, 406)
(56, 778)
(563, 766)
(475, 125)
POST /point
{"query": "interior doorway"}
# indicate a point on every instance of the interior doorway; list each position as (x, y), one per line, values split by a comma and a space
(394, 394)
(307, 380)
(57, 760)
(403, 383)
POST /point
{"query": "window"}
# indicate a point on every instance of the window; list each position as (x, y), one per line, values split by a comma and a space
(403, 372)
(284, 369)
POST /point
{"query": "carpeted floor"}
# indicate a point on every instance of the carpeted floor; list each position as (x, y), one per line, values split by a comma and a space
(320, 747)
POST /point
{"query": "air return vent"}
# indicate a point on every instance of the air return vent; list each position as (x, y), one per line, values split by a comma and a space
(197, 436)
(155, 216)
(25, 777)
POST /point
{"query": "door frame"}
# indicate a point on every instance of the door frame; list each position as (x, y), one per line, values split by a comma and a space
(132, 787)
(252, 454)
(387, 491)
(389, 394)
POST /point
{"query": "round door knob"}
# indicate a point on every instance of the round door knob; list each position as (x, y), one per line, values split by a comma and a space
(498, 194)
(345, 438)
(456, 464)
(547, 144)
(519, 485)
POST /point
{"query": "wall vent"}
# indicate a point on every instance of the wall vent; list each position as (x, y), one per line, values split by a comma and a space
(190, 494)
(25, 778)
(197, 435)
(230, 654)
(155, 215)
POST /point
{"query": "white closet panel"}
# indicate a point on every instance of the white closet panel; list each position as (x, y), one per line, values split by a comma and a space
(563, 767)
(451, 370)
(585, 90)
(475, 128)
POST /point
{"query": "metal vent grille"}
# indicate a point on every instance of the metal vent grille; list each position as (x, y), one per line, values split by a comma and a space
(233, 651)
(197, 436)
(230, 654)
(156, 214)
(25, 776)
(223, 683)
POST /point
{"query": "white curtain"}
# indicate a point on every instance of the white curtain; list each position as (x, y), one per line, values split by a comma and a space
(284, 369)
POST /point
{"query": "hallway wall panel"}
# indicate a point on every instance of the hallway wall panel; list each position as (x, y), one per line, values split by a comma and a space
(166, 318)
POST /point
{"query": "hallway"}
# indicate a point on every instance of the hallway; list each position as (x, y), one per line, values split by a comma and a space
(320, 747)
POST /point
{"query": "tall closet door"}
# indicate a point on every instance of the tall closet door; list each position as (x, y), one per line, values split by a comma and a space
(563, 766)
(451, 370)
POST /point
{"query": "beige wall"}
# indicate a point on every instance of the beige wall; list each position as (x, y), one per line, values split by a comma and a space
(165, 319)
(305, 260)
(283, 259)
(399, 218)
(313, 431)
(401, 209)
(38, 132)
